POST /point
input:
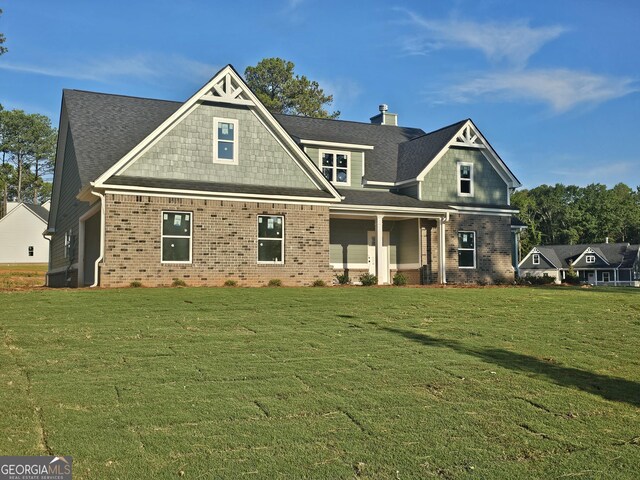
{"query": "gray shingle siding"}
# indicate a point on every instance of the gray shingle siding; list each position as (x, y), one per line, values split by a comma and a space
(70, 209)
(187, 153)
(441, 182)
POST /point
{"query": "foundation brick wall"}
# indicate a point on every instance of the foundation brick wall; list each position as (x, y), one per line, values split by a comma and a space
(224, 242)
(493, 249)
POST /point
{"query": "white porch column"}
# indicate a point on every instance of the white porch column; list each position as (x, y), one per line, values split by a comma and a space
(442, 267)
(379, 240)
(615, 277)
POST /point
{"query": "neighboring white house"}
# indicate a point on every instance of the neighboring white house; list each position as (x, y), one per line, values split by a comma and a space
(21, 239)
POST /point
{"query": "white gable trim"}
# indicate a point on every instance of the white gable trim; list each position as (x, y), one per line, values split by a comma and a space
(590, 251)
(470, 136)
(535, 250)
(225, 87)
(354, 146)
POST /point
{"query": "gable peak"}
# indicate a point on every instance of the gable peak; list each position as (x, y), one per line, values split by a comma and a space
(468, 137)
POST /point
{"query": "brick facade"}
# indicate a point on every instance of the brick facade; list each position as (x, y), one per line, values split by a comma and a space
(493, 249)
(224, 242)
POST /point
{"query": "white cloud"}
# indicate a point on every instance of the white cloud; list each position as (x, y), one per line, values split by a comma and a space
(514, 41)
(344, 90)
(142, 66)
(584, 174)
(561, 89)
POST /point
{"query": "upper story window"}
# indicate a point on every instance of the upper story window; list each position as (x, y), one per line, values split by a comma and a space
(225, 140)
(536, 259)
(176, 237)
(465, 179)
(336, 167)
(590, 258)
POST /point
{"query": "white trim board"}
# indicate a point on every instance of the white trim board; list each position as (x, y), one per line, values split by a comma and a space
(225, 87)
(320, 143)
(493, 158)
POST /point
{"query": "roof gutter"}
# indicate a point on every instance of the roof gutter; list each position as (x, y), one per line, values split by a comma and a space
(102, 236)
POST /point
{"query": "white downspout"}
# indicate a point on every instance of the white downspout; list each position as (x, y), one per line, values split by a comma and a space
(102, 233)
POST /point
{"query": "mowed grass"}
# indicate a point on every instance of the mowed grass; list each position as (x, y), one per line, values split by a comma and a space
(16, 276)
(324, 382)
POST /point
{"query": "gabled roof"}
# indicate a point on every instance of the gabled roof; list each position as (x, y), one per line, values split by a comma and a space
(38, 210)
(105, 127)
(381, 162)
(618, 255)
(417, 153)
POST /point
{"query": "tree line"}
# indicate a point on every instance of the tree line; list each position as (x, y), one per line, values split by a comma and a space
(27, 151)
(568, 214)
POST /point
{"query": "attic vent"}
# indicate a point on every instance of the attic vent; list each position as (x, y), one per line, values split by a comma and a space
(384, 117)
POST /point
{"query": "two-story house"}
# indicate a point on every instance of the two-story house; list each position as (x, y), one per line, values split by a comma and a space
(218, 188)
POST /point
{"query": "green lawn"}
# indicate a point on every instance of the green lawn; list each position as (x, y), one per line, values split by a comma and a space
(324, 382)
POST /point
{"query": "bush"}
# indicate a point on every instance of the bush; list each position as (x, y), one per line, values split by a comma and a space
(275, 282)
(343, 279)
(367, 279)
(135, 284)
(399, 280)
(178, 282)
(537, 280)
(572, 279)
(319, 283)
(230, 283)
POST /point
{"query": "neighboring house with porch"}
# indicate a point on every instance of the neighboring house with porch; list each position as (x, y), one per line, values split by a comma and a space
(218, 188)
(615, 264)
(21, 239)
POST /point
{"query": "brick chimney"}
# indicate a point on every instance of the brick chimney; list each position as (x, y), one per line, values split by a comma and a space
(384, 117)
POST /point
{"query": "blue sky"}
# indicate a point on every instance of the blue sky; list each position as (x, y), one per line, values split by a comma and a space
(553, 85)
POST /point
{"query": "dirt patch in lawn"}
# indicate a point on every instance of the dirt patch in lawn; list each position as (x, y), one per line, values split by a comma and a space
(22, 276)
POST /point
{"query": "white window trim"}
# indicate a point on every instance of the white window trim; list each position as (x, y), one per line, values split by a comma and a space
(471, 189)
(475, 247)
(162, 237)
(279, 262)
(608, 274)
(536, 258)
(590, 259)
(335, 153)
(236, 143)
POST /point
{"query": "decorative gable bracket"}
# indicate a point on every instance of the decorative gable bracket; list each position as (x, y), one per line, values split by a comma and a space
(468, 138)
(227, 90)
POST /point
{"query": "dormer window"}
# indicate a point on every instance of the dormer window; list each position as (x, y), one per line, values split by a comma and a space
(590, 258)
(335, 167)
(536, 258)
(225, 140)
(465, 179)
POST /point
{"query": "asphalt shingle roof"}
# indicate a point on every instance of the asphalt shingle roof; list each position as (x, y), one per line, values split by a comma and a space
(215, 187)
(416, 154)
(381, 162)
(617, 254)
(106, 127)
(39, 210)
(387, 198)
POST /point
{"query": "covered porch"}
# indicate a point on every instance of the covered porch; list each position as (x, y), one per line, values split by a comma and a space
(410, 246)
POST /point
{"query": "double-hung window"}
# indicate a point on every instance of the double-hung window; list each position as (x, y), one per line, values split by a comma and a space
(536, 258)
(335, 167)
(270, 239)
(176, 237)
(590, 258)
(466, 249)
(465, 179)
(225, 140)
